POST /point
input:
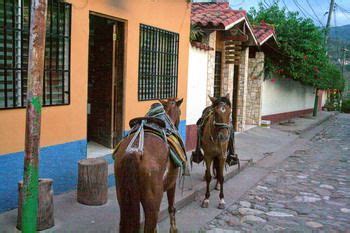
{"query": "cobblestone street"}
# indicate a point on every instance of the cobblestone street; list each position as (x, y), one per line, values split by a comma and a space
(309, 191)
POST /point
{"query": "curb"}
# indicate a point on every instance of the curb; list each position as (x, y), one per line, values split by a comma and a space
(314, 125)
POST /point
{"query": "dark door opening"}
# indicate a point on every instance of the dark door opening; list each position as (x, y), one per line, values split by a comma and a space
(235, 97)
(105, 81)
(217, 74)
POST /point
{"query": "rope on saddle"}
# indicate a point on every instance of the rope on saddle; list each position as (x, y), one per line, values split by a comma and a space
(139, 134)
(169, 134)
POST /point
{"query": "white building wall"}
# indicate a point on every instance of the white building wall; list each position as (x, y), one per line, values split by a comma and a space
(324, 98)
(281, 95)
(197, 84)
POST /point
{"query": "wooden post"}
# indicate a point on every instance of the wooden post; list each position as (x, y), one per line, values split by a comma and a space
(45, 217)
(33, 118)
(92, 182)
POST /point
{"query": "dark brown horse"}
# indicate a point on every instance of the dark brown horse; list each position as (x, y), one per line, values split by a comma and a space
(214, 141)
(144, 177)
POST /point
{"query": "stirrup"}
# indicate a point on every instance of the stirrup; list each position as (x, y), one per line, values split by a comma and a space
(232, 160)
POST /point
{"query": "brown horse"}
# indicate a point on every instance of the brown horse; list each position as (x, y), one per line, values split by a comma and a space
(144, 177)
(214, 141)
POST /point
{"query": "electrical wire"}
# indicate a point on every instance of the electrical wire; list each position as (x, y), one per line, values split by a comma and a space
(313, 11)
(303, 11)
(342, 8)
(285, 5)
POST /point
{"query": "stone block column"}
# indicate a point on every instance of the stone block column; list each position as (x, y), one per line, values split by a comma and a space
(242, 89)
(211, 66)
(255, 79)
(227, 78)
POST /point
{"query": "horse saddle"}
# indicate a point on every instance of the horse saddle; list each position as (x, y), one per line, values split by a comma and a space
(148, 120)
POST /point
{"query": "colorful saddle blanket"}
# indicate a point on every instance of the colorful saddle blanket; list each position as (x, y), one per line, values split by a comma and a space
(169, 134)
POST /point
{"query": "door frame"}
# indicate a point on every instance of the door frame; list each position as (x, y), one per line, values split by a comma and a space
(115, 74)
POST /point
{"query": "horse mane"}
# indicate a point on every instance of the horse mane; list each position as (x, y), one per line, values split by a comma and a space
(222, 100)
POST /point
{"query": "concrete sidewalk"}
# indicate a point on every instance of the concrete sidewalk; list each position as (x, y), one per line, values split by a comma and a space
(254, 144)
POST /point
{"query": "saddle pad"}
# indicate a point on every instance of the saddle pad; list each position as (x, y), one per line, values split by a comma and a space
(177, 154)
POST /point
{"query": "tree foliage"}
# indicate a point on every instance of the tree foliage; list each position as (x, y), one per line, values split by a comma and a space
(301, 54)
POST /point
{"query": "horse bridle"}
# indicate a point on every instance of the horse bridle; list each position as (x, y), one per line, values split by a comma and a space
(221, 125)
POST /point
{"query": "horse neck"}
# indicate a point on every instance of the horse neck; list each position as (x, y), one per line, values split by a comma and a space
(210, 124)
(172, 116)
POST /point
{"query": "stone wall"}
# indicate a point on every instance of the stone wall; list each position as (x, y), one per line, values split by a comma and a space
(227, 78)
(211, 66)
(254, 89)
(242, 89)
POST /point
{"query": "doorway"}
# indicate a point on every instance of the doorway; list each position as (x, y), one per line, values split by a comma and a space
(235, 97)
(105, 81)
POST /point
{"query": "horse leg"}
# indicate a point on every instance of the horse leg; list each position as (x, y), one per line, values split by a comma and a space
(151, 210)
(220, 175)
(205, 203)
(171, 208)
(216, 172)
(150, 200)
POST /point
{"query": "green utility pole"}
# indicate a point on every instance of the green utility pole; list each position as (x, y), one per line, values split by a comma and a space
(314, 113)
(330, 12)
(33, 118)
(346, 89)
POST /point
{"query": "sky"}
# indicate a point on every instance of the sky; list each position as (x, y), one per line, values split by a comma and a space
(320, 7)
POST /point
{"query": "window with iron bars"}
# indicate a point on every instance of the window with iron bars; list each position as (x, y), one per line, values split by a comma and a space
(14, 49)
(158, 63)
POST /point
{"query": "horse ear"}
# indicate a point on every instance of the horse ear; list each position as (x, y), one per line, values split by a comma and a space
(227, 96)
(212, 99)
(179, 102)
(163, 102)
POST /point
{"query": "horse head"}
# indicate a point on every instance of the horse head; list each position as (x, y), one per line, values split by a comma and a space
(172, 108)
(222, 116)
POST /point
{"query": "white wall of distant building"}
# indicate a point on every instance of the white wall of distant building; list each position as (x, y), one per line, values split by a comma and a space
(197, 84)
(280, 95)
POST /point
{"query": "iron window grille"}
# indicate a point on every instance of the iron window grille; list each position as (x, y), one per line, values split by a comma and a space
(158, 63)
(217, 74)
(14, 46)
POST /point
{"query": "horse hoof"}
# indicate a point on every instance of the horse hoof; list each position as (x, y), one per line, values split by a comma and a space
(205, 204)
(173, 230)
(222, 206)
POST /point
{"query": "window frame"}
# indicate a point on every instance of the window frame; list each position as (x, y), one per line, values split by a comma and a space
(161, 56)
(23, 71)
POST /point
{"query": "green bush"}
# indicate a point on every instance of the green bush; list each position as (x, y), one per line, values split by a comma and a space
(346, 106)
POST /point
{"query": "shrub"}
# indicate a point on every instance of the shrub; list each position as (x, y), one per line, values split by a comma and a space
(346, 106)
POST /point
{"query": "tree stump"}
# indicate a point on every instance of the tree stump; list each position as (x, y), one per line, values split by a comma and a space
(92, 182)
(45, 208)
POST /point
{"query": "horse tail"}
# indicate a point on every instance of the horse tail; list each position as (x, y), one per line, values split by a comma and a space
(129, 193)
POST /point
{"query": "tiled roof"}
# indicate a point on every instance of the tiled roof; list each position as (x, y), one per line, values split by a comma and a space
(263, 32)
(218, 15)
(202, 46)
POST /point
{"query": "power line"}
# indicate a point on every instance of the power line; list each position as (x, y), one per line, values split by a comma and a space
(305, 12)
(297, 5)
(345, 10)
(285, 5)
(313, 11)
